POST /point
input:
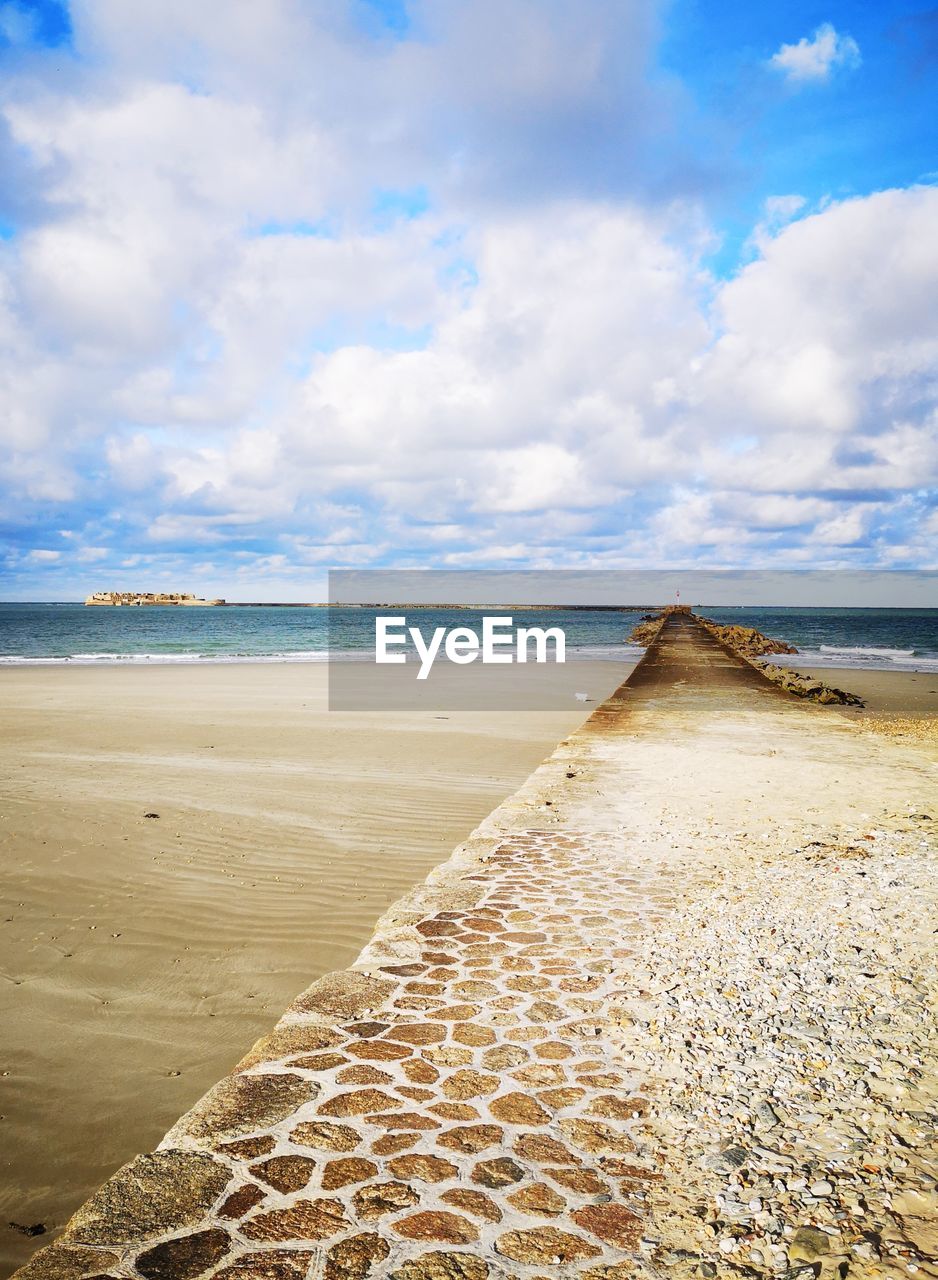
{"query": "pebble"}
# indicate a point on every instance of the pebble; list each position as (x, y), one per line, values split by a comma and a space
(791, 999)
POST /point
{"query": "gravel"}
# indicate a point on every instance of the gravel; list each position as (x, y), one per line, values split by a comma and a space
(788, 1032)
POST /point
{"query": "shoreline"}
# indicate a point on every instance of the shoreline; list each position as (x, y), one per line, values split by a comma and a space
(594, 653)
(886, 693)
(626, 653)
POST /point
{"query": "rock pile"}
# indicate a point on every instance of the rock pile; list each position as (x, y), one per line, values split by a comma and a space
(751, 645)
(645, 631)
(810, 687)
(648, 627)
(746, 641)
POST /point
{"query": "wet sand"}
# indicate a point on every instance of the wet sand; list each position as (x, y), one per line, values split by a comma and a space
(886, 693)
(140, 956)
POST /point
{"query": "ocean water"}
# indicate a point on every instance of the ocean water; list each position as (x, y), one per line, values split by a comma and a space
(53, 634)
(877, 639)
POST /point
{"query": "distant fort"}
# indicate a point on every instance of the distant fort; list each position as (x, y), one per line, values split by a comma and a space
(140, 598)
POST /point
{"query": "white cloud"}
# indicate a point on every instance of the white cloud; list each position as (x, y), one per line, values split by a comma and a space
(209, 336)
(516, 90)
(537, 477)
(845, 528)
(828, 349)
(592, 362)
(777, 212)
(553, 349)
(814, 59)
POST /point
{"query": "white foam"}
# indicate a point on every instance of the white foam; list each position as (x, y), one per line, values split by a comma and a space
(918, 663)
(857, 658)
(865, 650)
(601, 653)
(606, 652)
(170, 659)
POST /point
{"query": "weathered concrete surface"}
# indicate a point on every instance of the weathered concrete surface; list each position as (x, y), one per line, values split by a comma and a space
(474, 1099)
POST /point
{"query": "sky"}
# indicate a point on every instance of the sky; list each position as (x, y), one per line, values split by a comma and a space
(291, 285)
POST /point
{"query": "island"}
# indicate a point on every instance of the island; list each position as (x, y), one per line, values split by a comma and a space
(140, 598)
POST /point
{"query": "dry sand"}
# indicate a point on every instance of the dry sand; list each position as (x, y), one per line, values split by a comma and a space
(900, 705)
(141, 956)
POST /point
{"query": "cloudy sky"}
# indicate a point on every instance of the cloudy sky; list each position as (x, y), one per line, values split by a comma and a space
(296, 284)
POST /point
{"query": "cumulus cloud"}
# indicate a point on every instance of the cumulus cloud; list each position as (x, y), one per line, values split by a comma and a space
(592, 370)
(777, 212)
(232, 337)
(814, 59)
(593, 361)
(829, 336)
(530, 96)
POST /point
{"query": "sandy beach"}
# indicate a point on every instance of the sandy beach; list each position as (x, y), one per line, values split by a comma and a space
(887, 694)
(714, 999)
(141, 956)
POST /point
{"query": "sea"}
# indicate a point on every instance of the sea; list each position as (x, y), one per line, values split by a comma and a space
(50, 634)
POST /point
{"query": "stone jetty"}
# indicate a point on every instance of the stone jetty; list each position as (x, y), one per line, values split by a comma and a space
(670, 1011)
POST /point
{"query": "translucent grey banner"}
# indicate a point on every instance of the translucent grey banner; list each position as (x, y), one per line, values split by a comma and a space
(438, 640)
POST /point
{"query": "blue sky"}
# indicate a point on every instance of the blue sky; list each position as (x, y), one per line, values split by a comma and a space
(364, 283)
